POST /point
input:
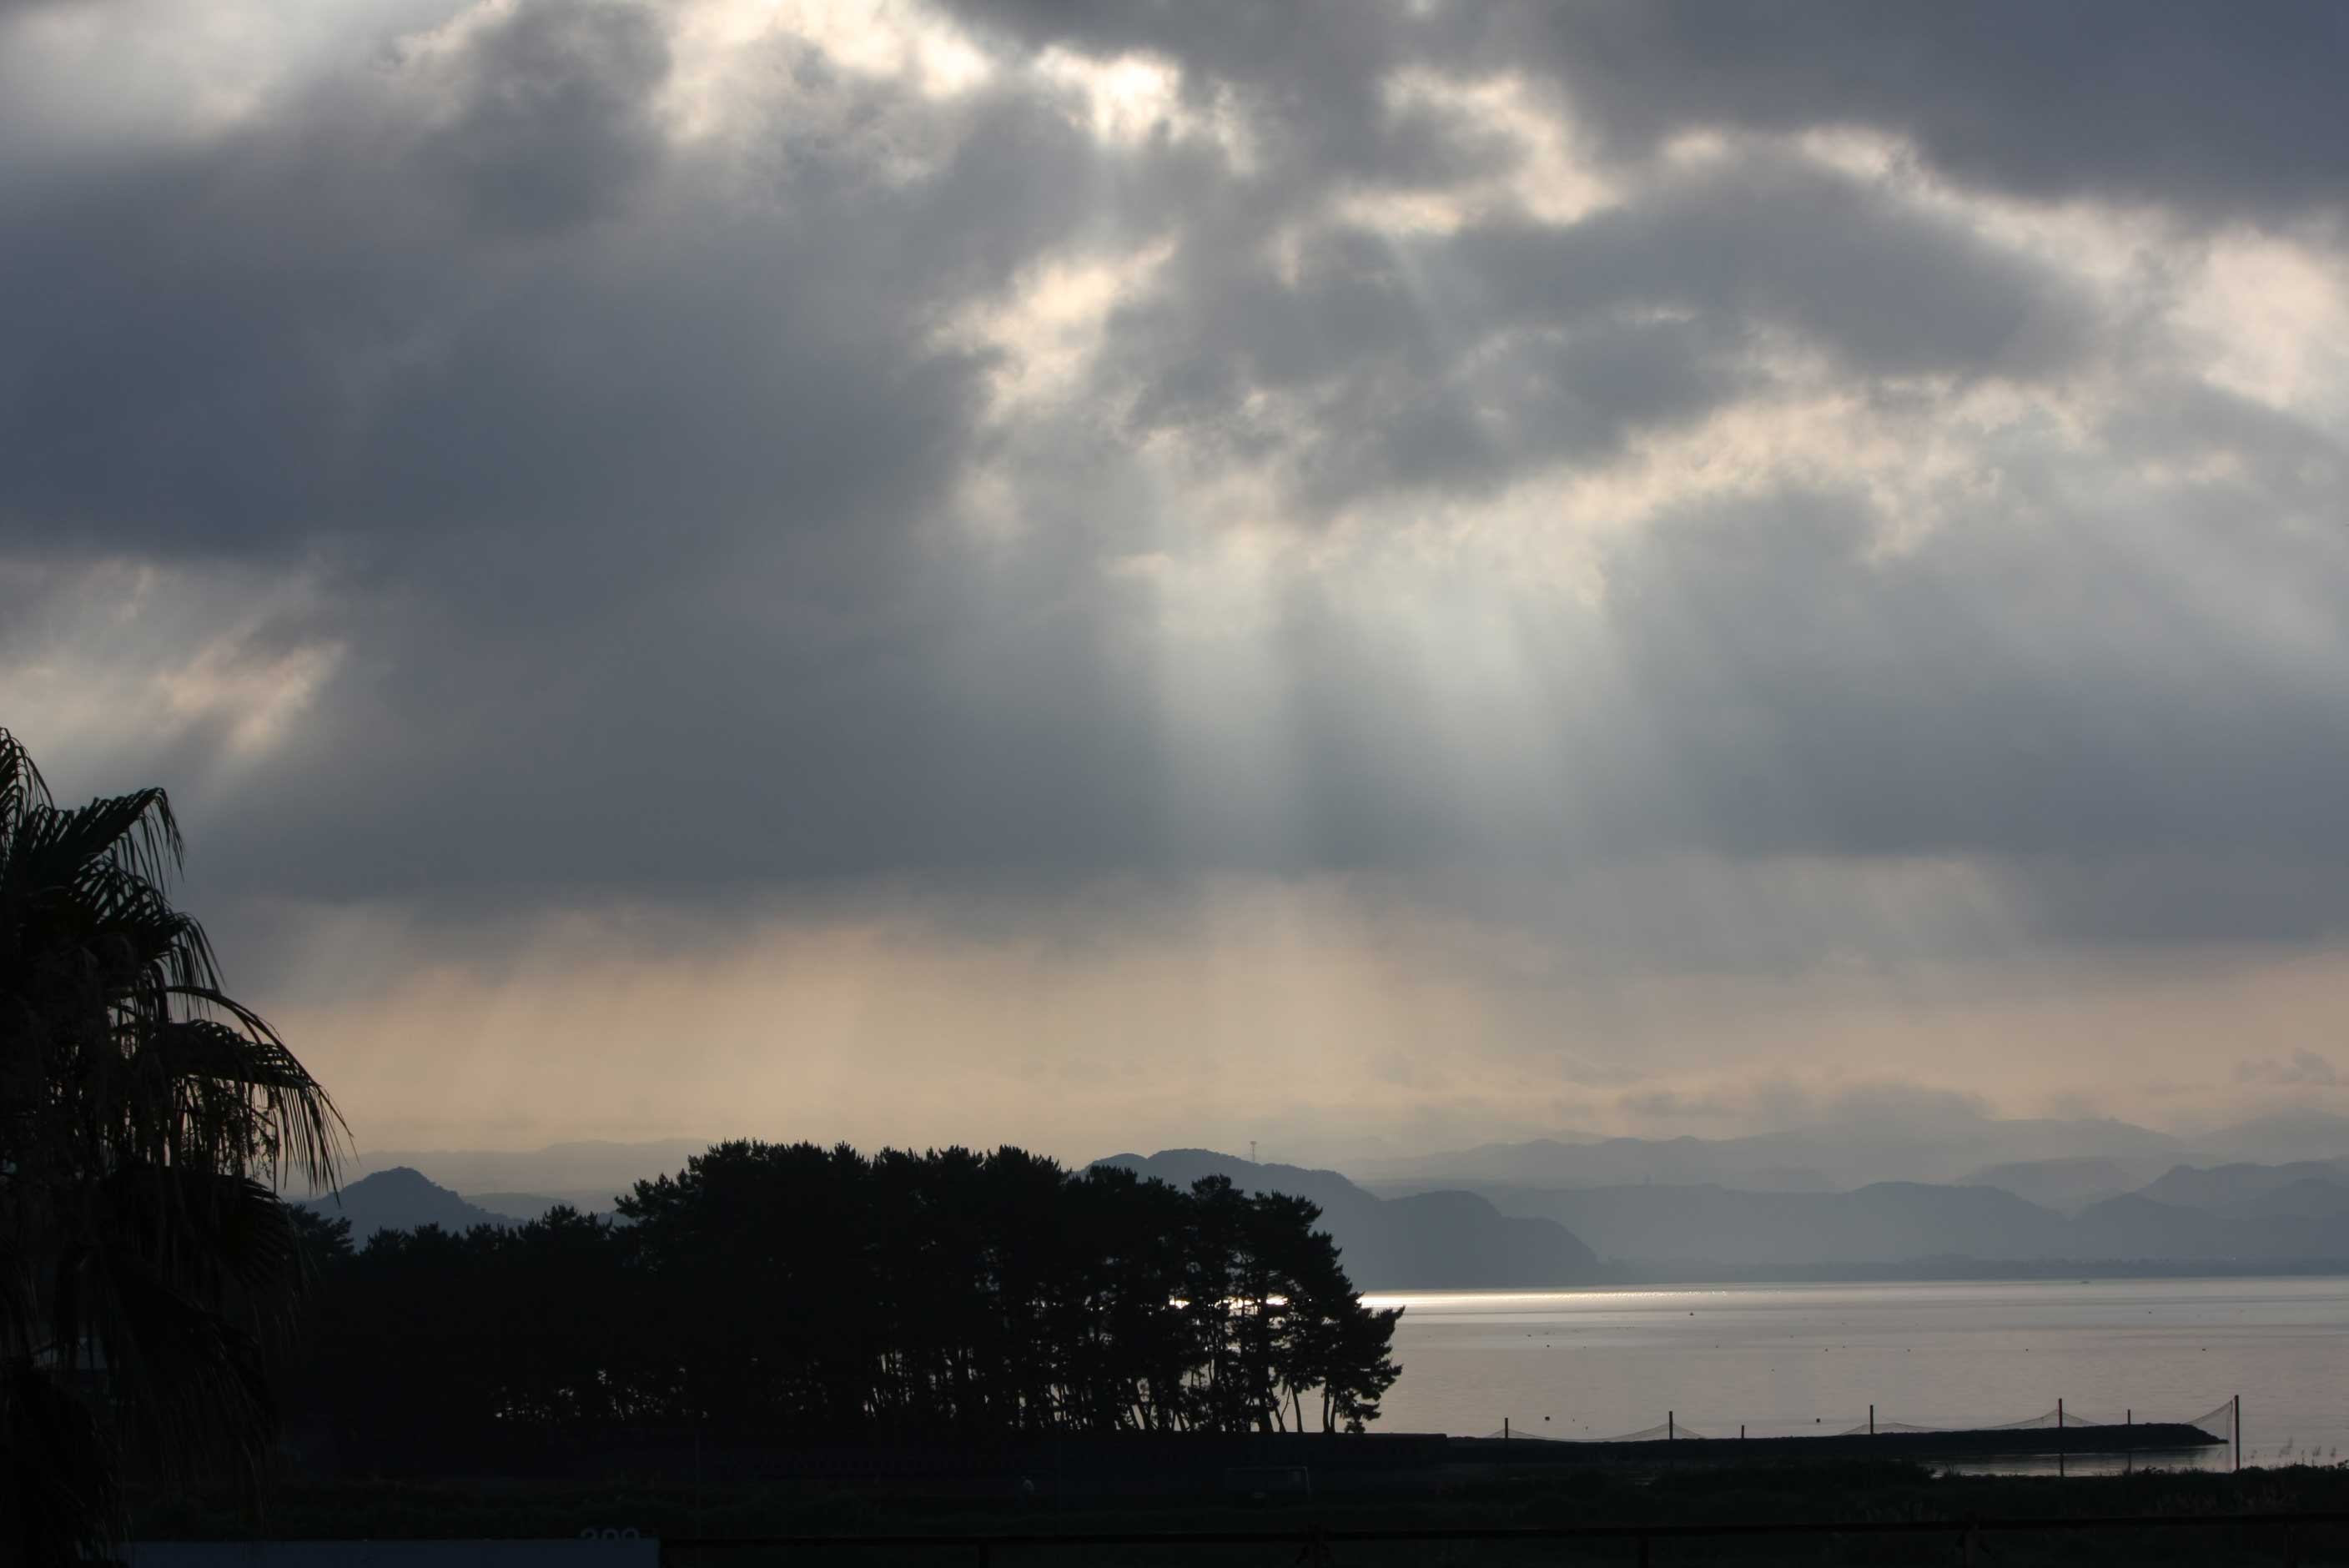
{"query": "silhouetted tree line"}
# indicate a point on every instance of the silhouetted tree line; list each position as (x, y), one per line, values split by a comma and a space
(799, 1292)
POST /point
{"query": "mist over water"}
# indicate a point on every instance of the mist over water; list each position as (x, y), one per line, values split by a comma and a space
(1794, 1358)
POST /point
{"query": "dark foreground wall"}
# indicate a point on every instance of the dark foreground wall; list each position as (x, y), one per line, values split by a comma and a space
(1140, 1465)
(554, 1553)
(1111, 1464)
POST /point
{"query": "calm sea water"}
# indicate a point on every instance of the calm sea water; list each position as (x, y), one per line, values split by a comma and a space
(1787, 1358)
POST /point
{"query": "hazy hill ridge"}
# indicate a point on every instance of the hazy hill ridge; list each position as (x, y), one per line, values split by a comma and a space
(1521, 1236)
(1438, 1240)
(2066, 1185)
(2228, 1187)
(521, 1207)
(401, 1199)
(587, 1173)
(1849, 1154)
(1695, 1226)
(1681, 1226)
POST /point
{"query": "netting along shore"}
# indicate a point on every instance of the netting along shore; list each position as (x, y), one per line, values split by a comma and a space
(2220, 1423)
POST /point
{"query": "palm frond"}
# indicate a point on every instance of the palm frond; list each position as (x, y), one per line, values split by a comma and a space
(135, 833)
(190, 1388)
(208, 1235)
(305, 1134)
(146, 1116)
(22, 787)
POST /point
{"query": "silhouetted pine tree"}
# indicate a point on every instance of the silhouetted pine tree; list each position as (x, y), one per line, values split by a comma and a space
(794, 1292)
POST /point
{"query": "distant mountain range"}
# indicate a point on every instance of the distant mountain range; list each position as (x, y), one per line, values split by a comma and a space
(1941, 1147)
(2066, 1185)
(587, 1174)
(400, 1199)
(2249, 1215)
(1426, 1241)
(1685, 1227)
(2059, 1161)
(521, 1206)
(2289, 1136)
(2301, 1188)
(1677, 1206)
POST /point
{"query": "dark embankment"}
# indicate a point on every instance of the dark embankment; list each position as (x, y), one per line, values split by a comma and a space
(1813, 1497)
(1202, 1464)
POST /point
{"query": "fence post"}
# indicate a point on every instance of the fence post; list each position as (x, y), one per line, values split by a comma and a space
(1670, 1429)
(1871, 1420)
(2238, 1424)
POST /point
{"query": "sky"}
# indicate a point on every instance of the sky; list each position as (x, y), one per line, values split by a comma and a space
(1369, 576)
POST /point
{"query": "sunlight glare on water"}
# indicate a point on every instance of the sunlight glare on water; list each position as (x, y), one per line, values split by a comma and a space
(1793, 1359)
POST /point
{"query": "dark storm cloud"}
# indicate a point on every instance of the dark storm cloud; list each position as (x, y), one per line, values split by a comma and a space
(2225, 109)
(1456, 363)
(1838, 261)
(612, 465)
(626, 473)
(2220, 108)
(348, 328)
(553, 125)
(1310, 73)
(1822, 699)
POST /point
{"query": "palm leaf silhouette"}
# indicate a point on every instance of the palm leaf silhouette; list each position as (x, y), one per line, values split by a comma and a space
(147, 1118)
